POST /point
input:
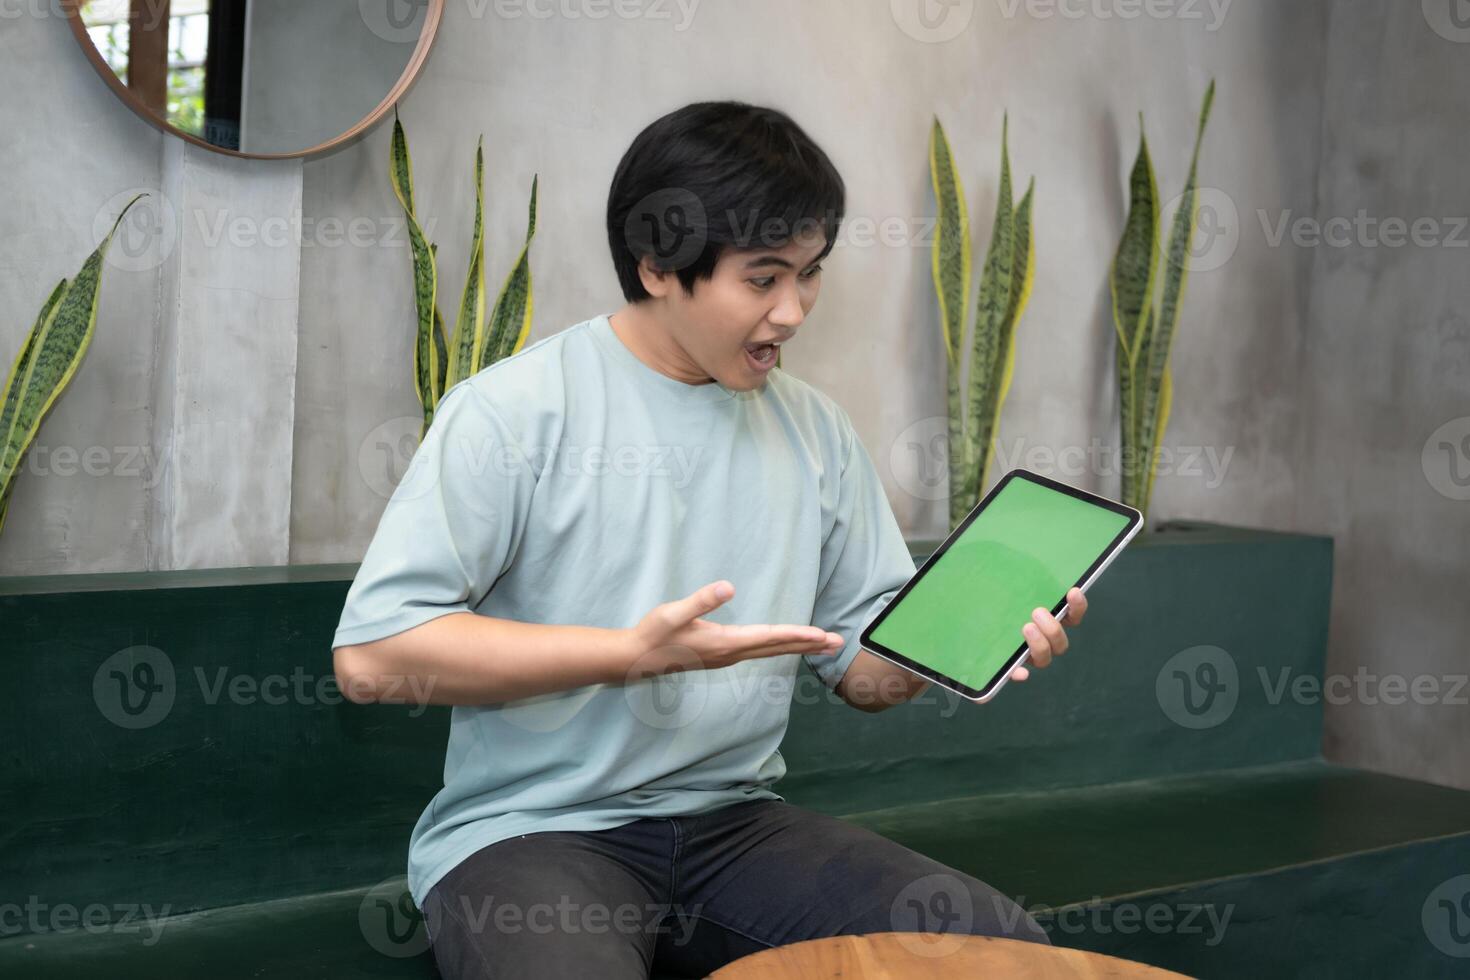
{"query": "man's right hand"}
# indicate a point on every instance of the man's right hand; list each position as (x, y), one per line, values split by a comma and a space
(673, 637)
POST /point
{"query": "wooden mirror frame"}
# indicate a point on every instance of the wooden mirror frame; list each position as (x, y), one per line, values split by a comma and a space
(432, 16)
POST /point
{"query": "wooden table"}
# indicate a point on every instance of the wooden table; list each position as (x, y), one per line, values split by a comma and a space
(901, 955)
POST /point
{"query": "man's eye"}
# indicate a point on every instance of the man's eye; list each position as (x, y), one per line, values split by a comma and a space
(766, 282)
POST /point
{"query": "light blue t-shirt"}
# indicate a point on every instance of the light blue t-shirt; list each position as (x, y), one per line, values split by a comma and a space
(573, 484)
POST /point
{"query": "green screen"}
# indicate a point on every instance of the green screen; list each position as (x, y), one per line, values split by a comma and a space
(1025, 549)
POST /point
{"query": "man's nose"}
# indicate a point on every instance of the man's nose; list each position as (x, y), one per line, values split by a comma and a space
(788, 312)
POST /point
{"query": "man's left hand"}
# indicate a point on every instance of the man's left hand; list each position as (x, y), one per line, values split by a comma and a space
(1045, 635)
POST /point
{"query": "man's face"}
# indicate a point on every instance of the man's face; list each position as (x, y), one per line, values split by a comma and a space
(755, 296)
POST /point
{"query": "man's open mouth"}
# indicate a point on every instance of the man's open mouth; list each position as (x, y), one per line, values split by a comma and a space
(764, 355)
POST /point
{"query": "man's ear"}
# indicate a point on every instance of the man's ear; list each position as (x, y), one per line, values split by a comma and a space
(655, 280)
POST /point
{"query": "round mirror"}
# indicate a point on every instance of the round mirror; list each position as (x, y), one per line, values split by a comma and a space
(257, 78)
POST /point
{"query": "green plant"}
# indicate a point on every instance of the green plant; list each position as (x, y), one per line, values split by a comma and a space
(1145, 330)
(440, 360)
(1005, 287)
(48, 360)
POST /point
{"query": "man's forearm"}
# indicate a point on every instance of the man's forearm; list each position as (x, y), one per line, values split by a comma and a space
(873, 684)
(466, 658)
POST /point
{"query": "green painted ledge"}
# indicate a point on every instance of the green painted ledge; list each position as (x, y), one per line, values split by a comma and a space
(1166, 535)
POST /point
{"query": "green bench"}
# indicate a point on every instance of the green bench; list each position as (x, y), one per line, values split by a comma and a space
(174, 745)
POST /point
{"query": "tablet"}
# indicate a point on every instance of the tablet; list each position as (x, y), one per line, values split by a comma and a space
(957, 621)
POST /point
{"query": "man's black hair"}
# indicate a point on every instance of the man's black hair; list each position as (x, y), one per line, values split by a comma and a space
(717, 175)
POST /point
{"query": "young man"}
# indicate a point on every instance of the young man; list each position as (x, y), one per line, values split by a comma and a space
(608, 785)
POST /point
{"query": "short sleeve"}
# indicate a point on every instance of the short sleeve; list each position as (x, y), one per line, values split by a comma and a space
(865, 560)
(451, 527)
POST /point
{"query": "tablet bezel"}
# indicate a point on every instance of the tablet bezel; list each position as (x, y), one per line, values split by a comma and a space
(993, 686)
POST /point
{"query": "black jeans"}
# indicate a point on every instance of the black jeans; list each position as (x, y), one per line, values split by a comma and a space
(682, 896)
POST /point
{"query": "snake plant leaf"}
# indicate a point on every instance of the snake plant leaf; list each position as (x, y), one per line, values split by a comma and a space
(951, 263)
(441, 341)
(1023, 276)
(23, 360)
(1165, 402)
(988, 348)
(1130, 388)
(5, 500)
(951, 266)
(12, 385)
(510, 321)
(400, 170)
(50, 359)
(425, 352)
(467, 343)
(1176, 273)
(425, 278)
(1131, 279)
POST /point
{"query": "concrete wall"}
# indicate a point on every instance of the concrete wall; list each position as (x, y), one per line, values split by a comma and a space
(171, 447)
(1385, 387)
(73, 156)
(563, 97)
(1308, 379)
